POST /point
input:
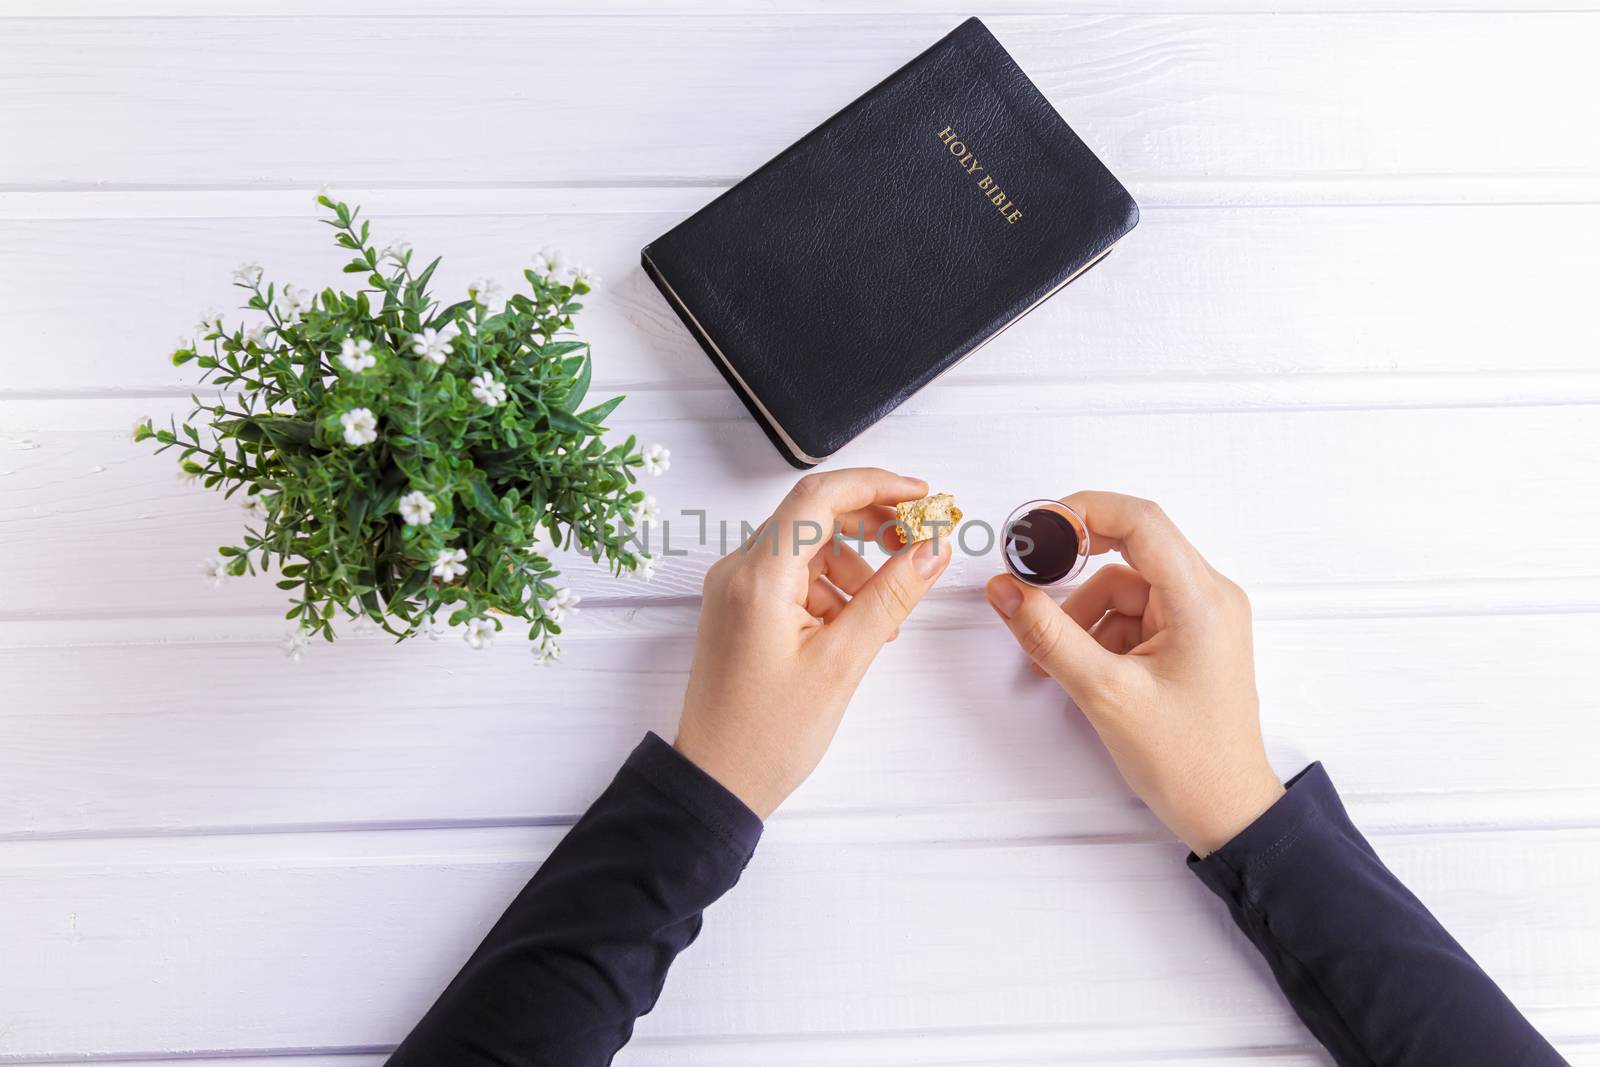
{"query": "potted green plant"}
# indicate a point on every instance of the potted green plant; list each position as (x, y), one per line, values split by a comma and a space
(406, 462)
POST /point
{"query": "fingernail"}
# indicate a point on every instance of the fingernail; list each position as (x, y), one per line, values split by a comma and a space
(929, 556)
(1004, 596)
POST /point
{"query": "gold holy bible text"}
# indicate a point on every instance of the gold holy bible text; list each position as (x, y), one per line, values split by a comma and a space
(986, 185)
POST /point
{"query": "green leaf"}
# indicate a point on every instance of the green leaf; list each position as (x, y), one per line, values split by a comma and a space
(414, 584)
(580, 385)
(394, 483)
(485, 503)
(595, 416)
(356, 510)
(282, 430)
(427, 273)
(566, 422)
(446, 314)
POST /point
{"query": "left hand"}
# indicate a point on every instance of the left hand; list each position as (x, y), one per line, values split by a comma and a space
(1158, 656)
(788, 628)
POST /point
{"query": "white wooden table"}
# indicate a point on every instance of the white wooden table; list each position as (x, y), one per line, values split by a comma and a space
(1352, 347)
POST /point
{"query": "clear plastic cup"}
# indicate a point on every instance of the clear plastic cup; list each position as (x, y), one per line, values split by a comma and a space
(1045, 543)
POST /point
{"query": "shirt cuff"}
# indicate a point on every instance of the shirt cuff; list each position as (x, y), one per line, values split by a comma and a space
(1309, 805)
(696, 792)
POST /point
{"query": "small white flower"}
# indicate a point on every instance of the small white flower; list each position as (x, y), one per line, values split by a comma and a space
(479, 633)
(397, 250)
(255, 509)
(432, 627)
(487, 390)
(545, 650)
(294, 303)
(257, 335)
(431, 345)
(142, 429)
(450, 564)
(210, 322)
(295, 643)
(485, 291)
(644, 568)
(361, 625)
(549, 262)
(356, 355)
(657, 460)
(215, 570)
(325, 190)
(248, 275)
(645, 512)
(563, 604)
(360, 426)
(416, 509)
(188, 477)
(586, 276)
(183, 344)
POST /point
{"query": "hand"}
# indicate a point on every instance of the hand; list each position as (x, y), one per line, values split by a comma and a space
(1158, 655)
(788, 627)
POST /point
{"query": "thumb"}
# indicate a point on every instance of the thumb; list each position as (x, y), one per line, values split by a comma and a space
(875, 613)
(1050, 637)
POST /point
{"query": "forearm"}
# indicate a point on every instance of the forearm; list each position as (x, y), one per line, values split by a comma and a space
(584, 949)
(1366, 966)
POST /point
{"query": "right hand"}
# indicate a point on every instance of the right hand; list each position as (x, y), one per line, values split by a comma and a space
(789, 625)
(1157, 654)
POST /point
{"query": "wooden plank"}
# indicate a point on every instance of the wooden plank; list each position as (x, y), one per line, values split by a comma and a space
(1480, 722)
(232, 943)
(1205, 307)
(930, 1050)
(98, 526)
(362, 9)
(269, 102)
(264, 1059)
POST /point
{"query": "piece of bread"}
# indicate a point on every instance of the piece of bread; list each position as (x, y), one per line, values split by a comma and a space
(921, 519)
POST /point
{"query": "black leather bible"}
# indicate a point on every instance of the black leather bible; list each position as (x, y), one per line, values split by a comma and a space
(889, 243)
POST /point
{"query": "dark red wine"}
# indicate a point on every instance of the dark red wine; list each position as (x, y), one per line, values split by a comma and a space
(1042, 547)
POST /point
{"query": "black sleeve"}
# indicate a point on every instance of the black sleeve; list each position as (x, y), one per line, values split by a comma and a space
(584, 949)
(1369, 970)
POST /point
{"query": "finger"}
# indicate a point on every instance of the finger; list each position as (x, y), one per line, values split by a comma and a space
(1111, 588)
(817, 500)
(1141, 531)
(875, 522)
(823, 600)
(1117, 633)
(1052, 639)
(875, 613)
(843, 566)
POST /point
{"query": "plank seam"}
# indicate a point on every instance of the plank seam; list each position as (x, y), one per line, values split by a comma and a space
(887, 826)
(1054, 1044)
(100, 201)
(1264, 393)
(1578, 595)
